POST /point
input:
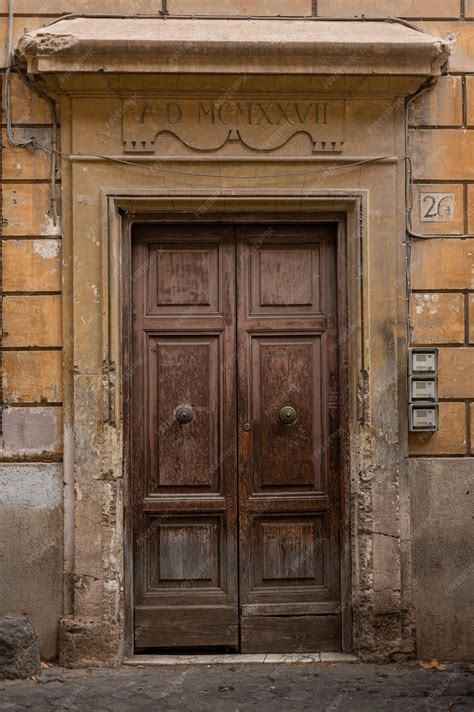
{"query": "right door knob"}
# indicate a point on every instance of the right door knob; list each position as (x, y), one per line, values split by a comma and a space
(288, 415)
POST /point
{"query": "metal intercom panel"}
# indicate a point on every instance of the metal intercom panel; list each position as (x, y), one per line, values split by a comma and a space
(423, 417)
(423, 389)
(423, 410)
(423, 361)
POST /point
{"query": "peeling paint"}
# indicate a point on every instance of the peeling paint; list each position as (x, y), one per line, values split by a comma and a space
(48, 227)
(32, 432)
(48, 249)
(428, 301)
(32, 486)
(111, 586)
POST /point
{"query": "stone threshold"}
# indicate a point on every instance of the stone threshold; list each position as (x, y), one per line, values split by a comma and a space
(236, 659)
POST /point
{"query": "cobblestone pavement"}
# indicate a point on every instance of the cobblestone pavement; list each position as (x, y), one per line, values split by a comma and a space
(320, 687)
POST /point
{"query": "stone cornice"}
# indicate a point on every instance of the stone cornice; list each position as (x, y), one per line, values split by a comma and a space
(233, 46)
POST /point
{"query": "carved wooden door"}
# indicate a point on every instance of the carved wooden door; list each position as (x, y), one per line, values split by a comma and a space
(236, 509)
(288, 467)
(184, 445)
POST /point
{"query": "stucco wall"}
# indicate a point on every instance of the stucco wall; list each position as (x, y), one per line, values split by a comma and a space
(442, 281)
(31, 547)
(442, 506)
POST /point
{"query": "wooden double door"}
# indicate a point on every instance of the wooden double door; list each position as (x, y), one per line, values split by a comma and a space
(234, 438)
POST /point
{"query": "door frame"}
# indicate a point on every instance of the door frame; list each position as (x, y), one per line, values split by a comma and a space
(131, 214)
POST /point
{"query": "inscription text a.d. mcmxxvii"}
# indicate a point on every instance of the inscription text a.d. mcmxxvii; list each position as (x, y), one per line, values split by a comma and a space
(208, 125)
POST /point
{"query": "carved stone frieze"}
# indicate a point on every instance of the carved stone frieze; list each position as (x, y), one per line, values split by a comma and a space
(207, 125)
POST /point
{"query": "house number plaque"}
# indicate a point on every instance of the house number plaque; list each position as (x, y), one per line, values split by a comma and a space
(437, 207)
(208, 125)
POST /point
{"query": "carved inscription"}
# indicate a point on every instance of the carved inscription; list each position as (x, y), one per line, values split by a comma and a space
(259, 114)
(208, 125)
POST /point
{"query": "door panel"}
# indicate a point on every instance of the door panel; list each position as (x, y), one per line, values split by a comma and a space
(191, 286)
(289, 475)
(286, 371)
(236, 510)
(184, 473)
(283, 279)
(288, 550)
(184, 369)
(278, 633)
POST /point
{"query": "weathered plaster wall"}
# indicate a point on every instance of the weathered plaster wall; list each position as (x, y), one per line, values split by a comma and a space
(441, 144)
(442, 506)
(31, 523)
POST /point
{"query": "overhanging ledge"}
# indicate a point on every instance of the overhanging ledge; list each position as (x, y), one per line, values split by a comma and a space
(254, 46)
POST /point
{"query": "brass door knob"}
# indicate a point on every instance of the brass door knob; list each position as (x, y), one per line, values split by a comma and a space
(184, 414)
(288, 415)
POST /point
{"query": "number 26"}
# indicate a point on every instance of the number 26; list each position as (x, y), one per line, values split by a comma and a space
(438, 207)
